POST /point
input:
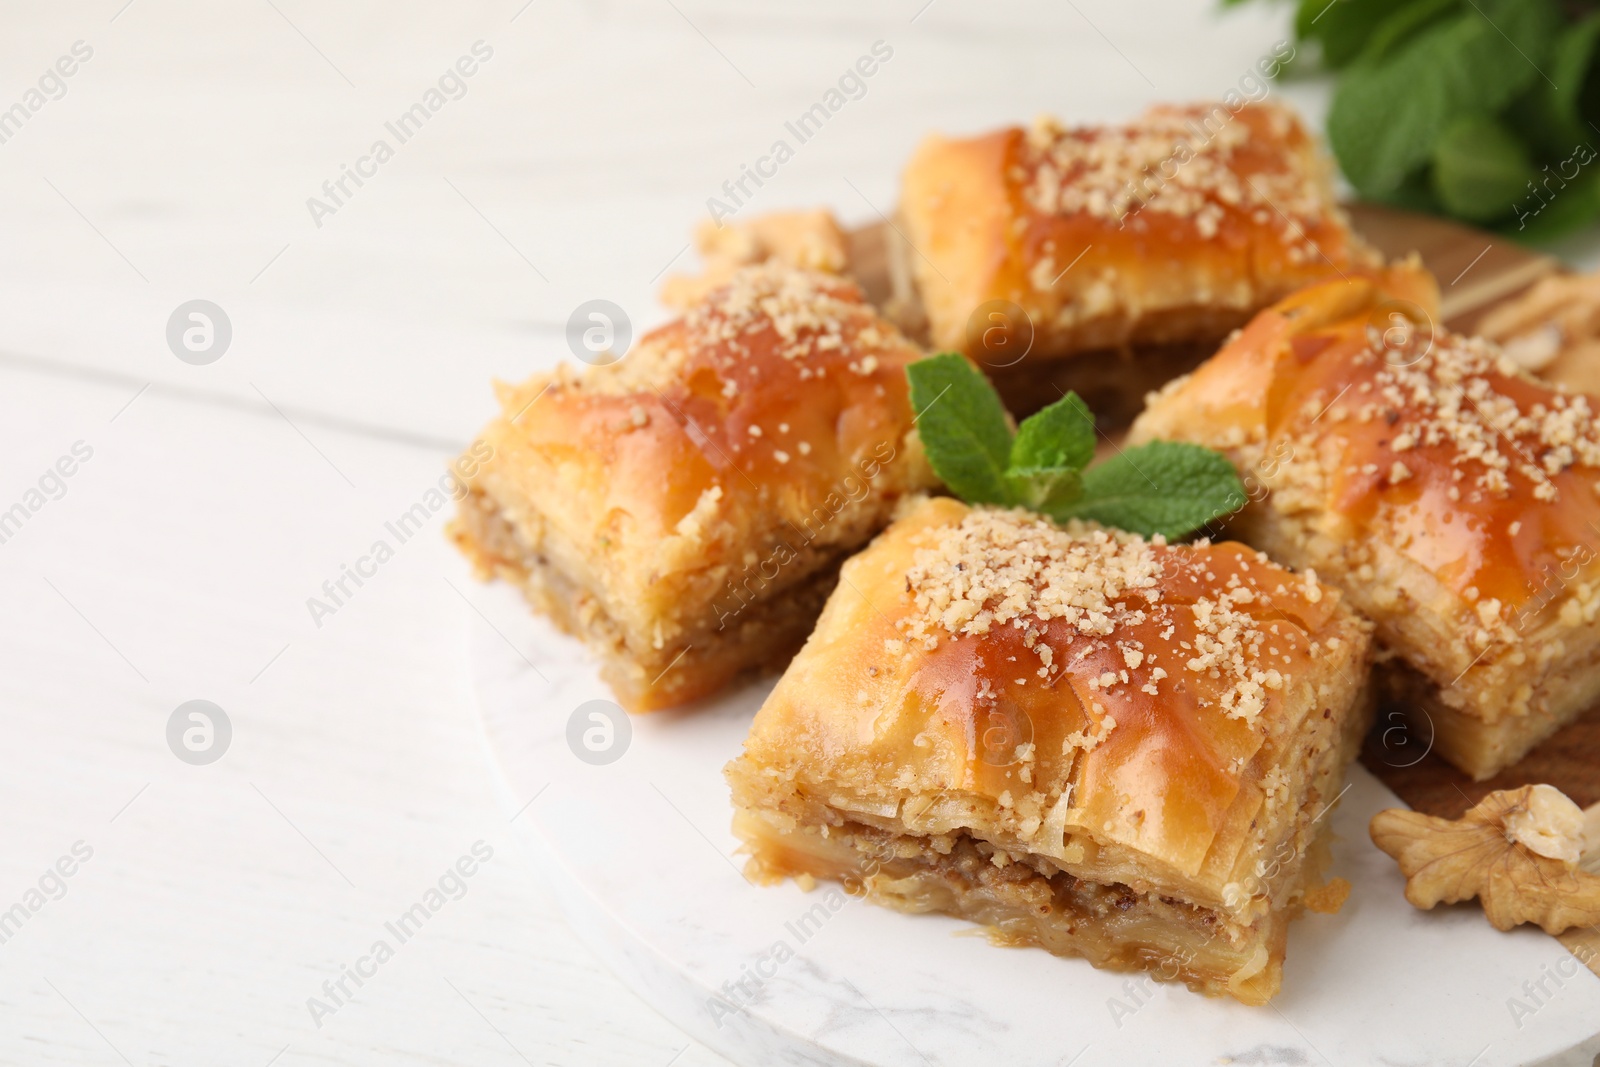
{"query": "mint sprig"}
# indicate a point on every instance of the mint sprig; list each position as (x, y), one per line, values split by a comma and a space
(1484, 110)
(1163, 487)
(962, 412)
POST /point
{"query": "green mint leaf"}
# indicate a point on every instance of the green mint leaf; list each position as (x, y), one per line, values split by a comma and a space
(1480, 169)
(1540, 120)
(1570, 62)
(1544, 216)
(1343, 27)
(1386, 117)
(1061, 435)
(1550, 116)
(1415, 194)
(1163, 487)
(1402, 24)
(963, 427)
(1044, 489)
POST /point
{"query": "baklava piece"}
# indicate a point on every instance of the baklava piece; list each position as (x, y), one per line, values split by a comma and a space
(684, 510)
(1453, 497)
(1143, 244)
(1107, 747)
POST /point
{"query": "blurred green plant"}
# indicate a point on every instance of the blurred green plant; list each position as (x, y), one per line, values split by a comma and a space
(1485, 110)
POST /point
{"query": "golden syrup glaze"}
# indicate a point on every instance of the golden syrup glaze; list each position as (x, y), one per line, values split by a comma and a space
(787, 412)
(1165, 774)
(864, 707)
(1212, 198)
(1328, 398)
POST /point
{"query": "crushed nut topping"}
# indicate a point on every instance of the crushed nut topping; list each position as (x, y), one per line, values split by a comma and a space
(804, 307)
(1002, 566)
(1454, 395)
(1015, 568)
(1516, 851)
(810, 313)
(1180, 161)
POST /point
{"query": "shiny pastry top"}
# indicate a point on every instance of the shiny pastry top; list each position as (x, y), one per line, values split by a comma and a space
(1083, 681)
(1149, 231)
(780, 393)
(1351, 403)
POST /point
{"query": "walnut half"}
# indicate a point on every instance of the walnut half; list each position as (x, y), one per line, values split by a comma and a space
(1516, 851)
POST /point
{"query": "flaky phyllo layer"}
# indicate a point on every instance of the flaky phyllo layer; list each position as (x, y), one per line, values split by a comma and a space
(1169, 229)
(1093, 716)
(676, 507)
(1454, 498)
(1027, 900)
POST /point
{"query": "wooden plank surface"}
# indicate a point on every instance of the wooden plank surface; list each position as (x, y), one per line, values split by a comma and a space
(1476, 270)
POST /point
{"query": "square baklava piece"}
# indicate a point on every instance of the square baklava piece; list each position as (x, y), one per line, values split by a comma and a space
(1108, 259)
(1454, 498)
(684, 509)
(1104, 746)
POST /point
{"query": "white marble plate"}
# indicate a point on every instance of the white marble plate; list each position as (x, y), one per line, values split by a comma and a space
(641, 854)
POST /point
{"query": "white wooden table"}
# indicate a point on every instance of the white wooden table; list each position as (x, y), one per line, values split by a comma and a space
(175, 563)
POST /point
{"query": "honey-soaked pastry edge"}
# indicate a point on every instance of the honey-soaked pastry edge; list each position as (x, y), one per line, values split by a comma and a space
(1487, 671)
(797, 790)
(1170, 229)
(682, 509)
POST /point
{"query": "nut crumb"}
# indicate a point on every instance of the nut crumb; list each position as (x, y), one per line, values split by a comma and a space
(1328, 899)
